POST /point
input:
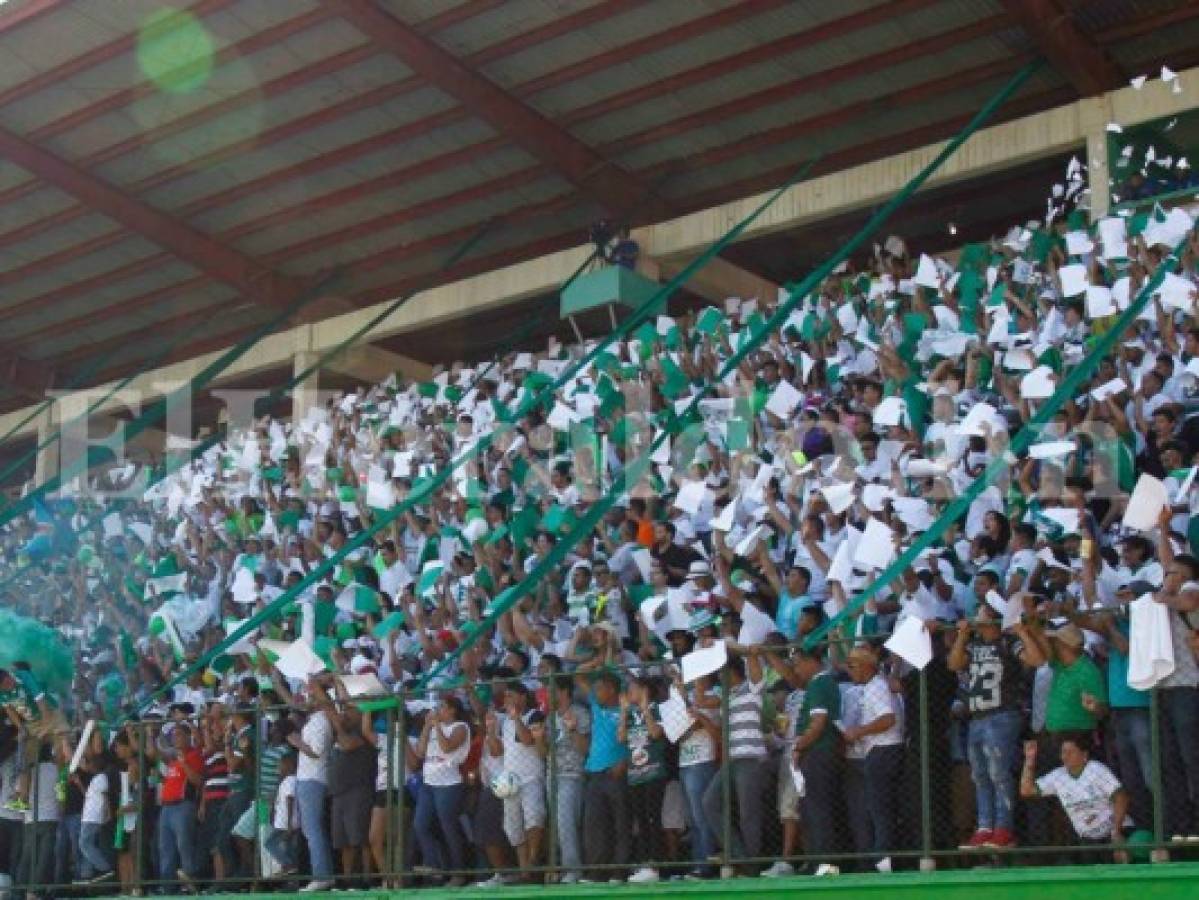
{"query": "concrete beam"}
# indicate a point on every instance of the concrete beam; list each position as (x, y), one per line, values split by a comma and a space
(1071, 127)
(373, 364)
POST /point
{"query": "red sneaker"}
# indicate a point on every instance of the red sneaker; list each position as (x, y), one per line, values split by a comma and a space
(1001, 837)
(980, 838)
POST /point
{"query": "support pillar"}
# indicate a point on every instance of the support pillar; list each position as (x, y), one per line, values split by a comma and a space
(1095, 114)
(46, 463)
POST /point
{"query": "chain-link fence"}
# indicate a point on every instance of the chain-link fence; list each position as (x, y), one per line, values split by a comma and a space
(753, 762)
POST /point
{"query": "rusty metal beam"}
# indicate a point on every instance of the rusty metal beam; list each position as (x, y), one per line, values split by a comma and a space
(1065, 47)
(1143, 25)
(211, 257)
(27, 377)
(607, 184)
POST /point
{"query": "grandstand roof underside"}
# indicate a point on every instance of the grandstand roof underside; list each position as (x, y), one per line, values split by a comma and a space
(150, 212)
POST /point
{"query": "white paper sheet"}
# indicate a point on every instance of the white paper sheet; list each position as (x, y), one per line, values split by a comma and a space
(1074, 279)
(676, 718)
(839, 497)
(1037, 384)
(704, 661)
(784, 400)
(1099, 301)
(927, 274)
(1051, 449)
(691, 496)
(1148, 499)
(1109, 389)
(724, 521)
(380, 494)
(243, 589)
(1078, 243)
(911, 642)
(876, 549)
(364, 685)
(889, 411)
(298, 662)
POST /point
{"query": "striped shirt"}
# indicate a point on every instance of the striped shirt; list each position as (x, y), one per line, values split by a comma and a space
(746, 740)
(268, 773)
(216, 777)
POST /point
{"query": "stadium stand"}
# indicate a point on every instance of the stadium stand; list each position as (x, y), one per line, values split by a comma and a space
(638, 561)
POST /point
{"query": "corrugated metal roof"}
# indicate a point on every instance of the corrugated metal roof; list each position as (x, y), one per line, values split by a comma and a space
(343, 157)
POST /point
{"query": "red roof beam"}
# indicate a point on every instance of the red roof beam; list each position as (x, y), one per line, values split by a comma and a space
(427, 167)
(296, 126)
(1065, 47)
(94, 57)
(559, 150)
(205, 253)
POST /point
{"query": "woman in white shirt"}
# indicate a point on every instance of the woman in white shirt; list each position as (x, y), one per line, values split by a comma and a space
(95, 838)
(444, 745)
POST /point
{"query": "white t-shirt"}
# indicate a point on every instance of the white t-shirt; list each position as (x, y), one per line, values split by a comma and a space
(698, 747)
(442, 768)
(1087, 799)
(95, 801)
(287, 790)
(877, 701)
(521, 760)
(317, 735)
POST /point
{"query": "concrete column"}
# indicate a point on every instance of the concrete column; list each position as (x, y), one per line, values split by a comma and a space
(1094, 116)
(46, 463)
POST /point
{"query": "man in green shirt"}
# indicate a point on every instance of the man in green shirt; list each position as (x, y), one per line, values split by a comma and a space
(1078, 693)
(818, 752)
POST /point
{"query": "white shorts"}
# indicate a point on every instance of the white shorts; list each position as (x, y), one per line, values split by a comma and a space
(785, 796)
(524, 811)
(674, 816)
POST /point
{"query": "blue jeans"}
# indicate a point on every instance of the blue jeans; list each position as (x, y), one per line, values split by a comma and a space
(991, 747)
(310, 797)
(66, 849)
(92, 845)
(570, 821)
(695, 780)
(281, 845)
(177, 839)
(441, 805)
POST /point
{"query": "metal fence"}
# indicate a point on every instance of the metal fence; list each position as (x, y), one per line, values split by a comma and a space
(612, 774)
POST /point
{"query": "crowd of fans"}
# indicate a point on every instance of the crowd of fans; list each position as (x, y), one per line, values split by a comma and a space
(398, 718)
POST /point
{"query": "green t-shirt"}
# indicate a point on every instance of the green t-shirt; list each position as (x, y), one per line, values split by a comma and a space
(647, 755)
(822, 695)
(325, 611)
(1064, 711)
(24, 696)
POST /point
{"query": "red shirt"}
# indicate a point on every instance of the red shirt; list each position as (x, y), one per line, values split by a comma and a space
(175, 786)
